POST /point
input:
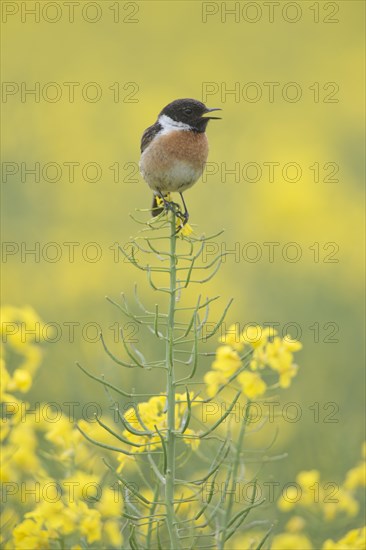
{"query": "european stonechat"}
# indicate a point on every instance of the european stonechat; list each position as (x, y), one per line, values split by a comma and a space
(174, 151)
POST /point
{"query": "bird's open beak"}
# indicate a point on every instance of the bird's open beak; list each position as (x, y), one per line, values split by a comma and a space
(212, 117)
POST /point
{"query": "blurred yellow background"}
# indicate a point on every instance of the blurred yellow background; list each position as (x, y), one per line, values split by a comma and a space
(125, 67)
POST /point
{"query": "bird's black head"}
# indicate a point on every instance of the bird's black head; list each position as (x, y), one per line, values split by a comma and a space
(189, 112)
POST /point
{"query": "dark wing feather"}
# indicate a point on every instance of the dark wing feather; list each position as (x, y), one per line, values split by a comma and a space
(149, 135)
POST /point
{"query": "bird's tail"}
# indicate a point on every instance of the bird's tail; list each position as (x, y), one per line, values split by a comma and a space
(156, 209)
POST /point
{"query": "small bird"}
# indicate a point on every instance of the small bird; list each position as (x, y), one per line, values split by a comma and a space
(174, 152)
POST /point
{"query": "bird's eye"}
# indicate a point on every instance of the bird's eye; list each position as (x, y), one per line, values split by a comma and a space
(188, 111)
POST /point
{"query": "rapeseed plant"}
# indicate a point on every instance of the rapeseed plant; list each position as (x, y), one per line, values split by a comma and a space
(145, 494)
(162, 432)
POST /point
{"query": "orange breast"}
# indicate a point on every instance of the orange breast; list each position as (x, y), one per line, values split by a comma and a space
(191, 147)
(174, 161)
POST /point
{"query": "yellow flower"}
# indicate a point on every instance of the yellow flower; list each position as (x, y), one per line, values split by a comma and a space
(152, 413)
(257, 336)
(289, 498)
(291, 541)
(159, 200)
(184, 230)
(29, 534)
(290, 344)
(25, 445)
(227, 361)
(90, 525)
(287, 375)
(353, 540)
(110, 503)
(24, 319)
(269, 350)
(86, 520)
(213, 380)
(62, 434)
(344, 503)
(252, 384)
(54, 516)
(8, 470)
(280, 359)
(21, 381)
(82, 485)
(306, 478)
(356, 477)
(253, 365)
(311, 491)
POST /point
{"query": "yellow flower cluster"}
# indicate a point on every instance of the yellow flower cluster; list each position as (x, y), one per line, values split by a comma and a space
(44, 509)
(55, 521)
(75, 505)
(56, 494)
(353, 540)
(20, 358)
(293, 539)
(267, 350)
(330, 500)
(20, 330)
(153, 419)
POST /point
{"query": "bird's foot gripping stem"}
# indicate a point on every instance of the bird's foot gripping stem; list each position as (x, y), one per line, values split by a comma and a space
(176, 209)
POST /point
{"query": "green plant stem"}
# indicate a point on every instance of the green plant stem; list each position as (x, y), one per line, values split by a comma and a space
(171, 436)
(151, 519)
(236, 465)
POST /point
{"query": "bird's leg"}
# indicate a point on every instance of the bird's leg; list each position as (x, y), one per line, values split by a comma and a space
(185, 213)
(183, 216)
